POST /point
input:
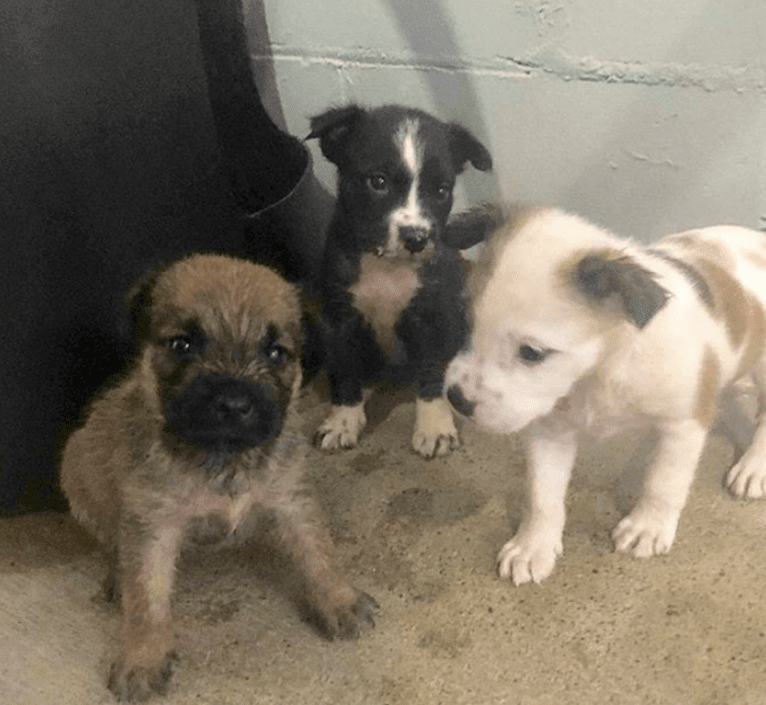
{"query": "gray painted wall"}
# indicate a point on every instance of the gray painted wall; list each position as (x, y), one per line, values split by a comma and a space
(647, 117)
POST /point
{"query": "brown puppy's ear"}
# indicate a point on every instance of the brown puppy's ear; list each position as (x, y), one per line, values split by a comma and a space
(139, 302)
(471, 227)
(466, 148)
(601, 277)
(333, 128)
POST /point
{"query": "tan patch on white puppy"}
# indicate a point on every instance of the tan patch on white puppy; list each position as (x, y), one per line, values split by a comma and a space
(577, 330)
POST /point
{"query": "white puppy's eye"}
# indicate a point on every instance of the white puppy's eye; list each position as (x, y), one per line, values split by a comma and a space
(531, 355)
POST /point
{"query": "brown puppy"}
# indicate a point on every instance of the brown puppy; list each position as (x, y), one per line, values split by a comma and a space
(202, 430)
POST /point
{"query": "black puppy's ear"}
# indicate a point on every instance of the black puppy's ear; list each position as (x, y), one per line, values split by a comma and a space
(601, 276)
(333, 129)
(466, 148)
(471, 227)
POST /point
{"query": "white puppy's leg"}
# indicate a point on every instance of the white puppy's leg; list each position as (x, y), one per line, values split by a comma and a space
(531, 554)
(748, 476)
(650, 529)
(435, 432)
(342, 427)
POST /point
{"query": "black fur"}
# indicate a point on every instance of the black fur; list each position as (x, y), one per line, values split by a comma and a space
(433, 325)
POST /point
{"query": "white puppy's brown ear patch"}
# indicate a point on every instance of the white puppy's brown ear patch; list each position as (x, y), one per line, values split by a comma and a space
(612, 276)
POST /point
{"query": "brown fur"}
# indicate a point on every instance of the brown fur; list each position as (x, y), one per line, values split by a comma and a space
(731, 301)
(756, 340)
(142, 487)
(708, 386)
(756, 259)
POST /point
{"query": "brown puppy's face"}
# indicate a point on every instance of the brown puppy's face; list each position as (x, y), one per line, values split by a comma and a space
(223, 340)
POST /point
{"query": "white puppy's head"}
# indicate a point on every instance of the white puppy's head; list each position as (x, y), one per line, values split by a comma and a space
(549, 296)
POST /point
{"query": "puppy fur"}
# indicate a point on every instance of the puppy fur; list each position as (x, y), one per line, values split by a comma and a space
(202, 431)
(392, 275)
(577, 330)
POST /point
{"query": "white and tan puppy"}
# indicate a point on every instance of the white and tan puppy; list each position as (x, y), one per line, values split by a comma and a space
(577, 330)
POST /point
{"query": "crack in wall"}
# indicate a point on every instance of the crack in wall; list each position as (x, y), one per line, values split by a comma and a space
(708, 78)
(549, 62)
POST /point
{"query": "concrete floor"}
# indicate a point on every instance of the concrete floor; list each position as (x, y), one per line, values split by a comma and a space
(688, 628)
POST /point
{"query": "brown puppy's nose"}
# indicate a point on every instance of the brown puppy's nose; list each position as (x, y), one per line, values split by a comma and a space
(234, 406)
(456, 397)
(414, 239)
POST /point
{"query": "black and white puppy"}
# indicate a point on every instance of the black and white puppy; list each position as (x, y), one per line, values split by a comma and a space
(392, 274)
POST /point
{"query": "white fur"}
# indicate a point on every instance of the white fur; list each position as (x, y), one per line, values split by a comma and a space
(435, 433)
(342, 427)
(409, 214)
(603, 372)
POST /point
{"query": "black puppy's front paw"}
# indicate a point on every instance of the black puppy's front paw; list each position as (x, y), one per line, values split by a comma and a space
(139, 683)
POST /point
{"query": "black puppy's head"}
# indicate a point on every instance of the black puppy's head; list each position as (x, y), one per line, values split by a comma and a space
(396, 172)
(221, 347)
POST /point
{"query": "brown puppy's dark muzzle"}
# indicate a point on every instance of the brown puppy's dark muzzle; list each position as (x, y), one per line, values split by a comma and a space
(224, 414)
(456, 397)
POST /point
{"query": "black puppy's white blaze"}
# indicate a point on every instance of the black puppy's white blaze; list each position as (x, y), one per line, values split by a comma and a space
(409, 216)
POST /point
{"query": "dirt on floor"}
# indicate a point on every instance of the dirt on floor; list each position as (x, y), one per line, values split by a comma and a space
(421, 536)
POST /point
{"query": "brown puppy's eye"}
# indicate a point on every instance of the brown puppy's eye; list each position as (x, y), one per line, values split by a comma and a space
(378, 183)
(275, 354)
(180, 346)
(531, 355)
(187, 346)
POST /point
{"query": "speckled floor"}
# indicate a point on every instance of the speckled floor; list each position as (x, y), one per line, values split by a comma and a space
(687, 628)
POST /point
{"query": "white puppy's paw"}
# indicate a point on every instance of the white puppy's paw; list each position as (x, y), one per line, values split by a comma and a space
(646, 531)
(341, 428)
(435, 432)
(747, 479)
(529, 558)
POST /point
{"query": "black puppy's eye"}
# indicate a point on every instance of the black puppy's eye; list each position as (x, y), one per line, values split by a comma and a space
(378, 183)
(443, 192)
(531, 355)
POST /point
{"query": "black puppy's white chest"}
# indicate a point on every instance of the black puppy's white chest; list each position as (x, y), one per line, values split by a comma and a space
(381, 293)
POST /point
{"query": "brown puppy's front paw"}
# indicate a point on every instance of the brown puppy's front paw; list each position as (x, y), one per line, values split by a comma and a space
(139, 683)
(346, 621)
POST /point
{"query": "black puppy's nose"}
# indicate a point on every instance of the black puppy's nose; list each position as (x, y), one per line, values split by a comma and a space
(414, 239)
(456, 397)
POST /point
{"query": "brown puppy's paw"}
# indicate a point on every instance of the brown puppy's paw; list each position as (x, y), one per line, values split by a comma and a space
(139, 683)
(346, 621)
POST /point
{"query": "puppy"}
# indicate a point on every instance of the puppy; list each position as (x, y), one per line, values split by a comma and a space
(392, 276)
(202, 431)
(576, 330)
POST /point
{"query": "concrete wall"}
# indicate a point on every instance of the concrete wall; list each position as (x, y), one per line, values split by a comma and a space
(648, 117)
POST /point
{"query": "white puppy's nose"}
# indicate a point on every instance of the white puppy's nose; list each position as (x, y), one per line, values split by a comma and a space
(458, 400)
